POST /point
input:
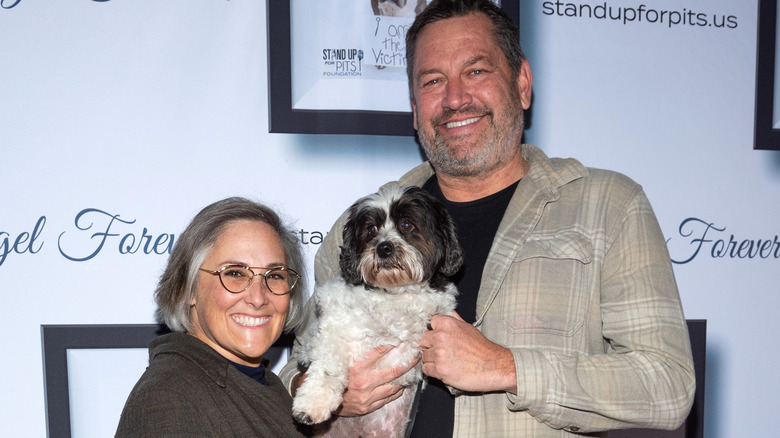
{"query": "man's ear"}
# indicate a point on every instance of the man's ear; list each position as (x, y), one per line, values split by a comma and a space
(524, 81)
(414, 113)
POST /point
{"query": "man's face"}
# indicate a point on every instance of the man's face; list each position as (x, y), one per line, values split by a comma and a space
(468, 106)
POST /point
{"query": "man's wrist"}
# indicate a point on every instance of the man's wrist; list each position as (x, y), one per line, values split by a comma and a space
(509, 372)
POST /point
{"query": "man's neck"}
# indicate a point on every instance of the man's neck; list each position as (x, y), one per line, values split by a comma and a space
(470, 188)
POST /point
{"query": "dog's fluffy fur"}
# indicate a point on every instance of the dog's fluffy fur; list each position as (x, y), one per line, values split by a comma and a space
(400, 247)
(398, 8)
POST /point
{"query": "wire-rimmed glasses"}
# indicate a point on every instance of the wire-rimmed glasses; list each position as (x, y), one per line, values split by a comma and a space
(279, 280)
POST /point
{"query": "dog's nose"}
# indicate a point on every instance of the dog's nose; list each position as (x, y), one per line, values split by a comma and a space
(384, 249)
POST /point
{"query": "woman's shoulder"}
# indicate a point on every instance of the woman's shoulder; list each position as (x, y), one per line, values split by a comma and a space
(162, 400)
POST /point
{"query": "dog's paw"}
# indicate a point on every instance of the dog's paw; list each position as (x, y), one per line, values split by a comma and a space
(312, 415)
(318, 397)
(303, 418)
(314, 405)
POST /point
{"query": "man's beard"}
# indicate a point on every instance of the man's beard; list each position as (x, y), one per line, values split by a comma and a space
(495, 145)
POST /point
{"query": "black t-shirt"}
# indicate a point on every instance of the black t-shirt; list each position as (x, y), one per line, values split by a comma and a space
(476, 223)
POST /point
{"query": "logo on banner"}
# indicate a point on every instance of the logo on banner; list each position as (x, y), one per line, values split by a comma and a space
(706, 239)
(383, 49)
(97, 231)
(8, 4)
(342, 62)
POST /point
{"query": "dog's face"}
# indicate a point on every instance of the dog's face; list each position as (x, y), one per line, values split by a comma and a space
(398, 237)
(398, 8)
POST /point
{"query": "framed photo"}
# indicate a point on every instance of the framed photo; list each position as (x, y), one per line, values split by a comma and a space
(57, 340)
(339, 67)
(89, 370)
(767, 120)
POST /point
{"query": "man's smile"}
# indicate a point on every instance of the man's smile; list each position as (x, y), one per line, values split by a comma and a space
(460, 123)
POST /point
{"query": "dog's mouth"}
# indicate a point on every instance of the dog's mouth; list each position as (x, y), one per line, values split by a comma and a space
(387, 273)
(387, 264)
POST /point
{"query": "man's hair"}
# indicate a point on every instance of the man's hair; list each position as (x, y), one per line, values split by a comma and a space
(505, 31)
(179, 282)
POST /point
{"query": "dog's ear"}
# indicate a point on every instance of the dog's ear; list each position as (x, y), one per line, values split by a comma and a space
(349, 259)
(446, 234)
(453, 253)
(420, 6)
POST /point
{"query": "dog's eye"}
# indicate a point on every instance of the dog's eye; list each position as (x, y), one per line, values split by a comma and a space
(407, 227)
(372, 230)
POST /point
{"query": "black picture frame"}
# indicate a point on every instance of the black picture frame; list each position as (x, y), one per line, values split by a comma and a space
(56, 340)
(282, 118)
(767, 137)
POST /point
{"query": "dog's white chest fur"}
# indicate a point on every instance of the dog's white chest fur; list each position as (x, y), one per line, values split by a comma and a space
(352, 321)
(360, 319)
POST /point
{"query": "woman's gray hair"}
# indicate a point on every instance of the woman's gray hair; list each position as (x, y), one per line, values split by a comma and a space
(179, 282)
(505, 31)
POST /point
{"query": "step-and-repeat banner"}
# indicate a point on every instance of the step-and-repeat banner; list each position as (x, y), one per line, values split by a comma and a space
(120, 120)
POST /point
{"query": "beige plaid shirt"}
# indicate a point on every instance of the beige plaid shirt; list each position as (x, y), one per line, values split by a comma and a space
(579, 285)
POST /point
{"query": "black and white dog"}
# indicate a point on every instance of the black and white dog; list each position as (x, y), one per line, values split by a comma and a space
(398, 8)
(400, 247)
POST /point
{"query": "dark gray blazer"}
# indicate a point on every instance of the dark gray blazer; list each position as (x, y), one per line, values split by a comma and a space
(190, 390)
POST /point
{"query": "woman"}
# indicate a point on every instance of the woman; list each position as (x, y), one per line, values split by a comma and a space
(230, 288)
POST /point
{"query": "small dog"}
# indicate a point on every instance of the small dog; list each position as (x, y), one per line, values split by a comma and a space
(400, 247)
(398, 8)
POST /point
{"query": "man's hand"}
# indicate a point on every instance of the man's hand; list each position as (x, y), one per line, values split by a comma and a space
(456, 353)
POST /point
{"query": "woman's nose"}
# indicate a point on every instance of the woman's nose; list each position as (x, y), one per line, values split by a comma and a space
(257, 293)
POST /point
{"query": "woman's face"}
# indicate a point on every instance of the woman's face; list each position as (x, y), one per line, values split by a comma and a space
(240, 326)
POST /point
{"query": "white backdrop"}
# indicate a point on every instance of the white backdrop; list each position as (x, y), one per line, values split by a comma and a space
(147, 111)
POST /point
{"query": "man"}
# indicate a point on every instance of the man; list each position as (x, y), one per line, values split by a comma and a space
(569, 319)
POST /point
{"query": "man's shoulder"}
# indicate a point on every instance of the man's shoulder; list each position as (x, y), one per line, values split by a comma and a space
(569, 175)
(616, 182)
(415, 177)
(598, 175)
(571, 170)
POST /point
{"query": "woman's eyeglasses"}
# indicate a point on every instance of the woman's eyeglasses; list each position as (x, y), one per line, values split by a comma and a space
(279, 280)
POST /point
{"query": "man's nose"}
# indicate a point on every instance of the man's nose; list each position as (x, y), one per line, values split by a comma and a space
(457, 95)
